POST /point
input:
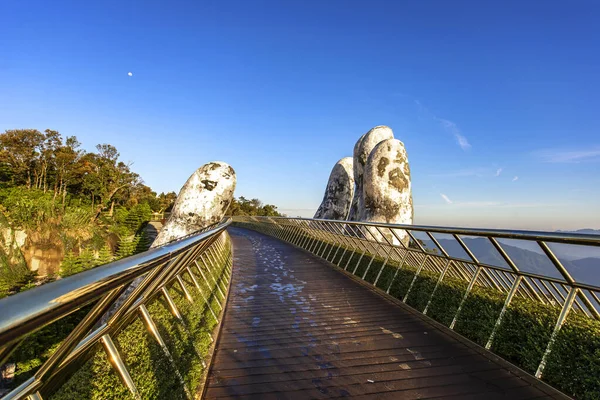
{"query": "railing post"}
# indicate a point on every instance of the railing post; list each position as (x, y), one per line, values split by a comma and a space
(375, 253)
(471, 282)
(171, 304)
(358, 263)
(439, 281)
(115, 359)
(187, 294)
(507, 301)
(414, 279)
(151, 326)
(398, 270)
(564, 312)
(209, 270)
(208, 282)
(202, 294)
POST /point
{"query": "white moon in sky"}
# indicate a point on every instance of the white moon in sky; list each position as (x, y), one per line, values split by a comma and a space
(130, 74)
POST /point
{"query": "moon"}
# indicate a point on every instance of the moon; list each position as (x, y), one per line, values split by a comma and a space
(130, 73)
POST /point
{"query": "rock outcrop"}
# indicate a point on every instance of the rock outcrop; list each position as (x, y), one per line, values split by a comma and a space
(338, 193)
(362, 149)
(202, 201)
(387, 193)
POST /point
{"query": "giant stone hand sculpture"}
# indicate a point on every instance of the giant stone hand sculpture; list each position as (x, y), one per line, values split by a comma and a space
(362, 149)
(338, 193)
(202, 201)
(387, 195)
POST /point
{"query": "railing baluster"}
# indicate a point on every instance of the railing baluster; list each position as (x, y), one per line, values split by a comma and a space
(564, 312)
(397, 270)
(206, 280)
(115, 359)
(172, 307)
(152, 328)
(437, 284)
(507, 301)
(186, 293)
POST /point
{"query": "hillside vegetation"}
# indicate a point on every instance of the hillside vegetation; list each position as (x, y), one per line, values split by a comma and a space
(64, 210)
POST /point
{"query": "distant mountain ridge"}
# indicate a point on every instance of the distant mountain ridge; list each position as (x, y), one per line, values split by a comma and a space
(583, 269)
(587, 231)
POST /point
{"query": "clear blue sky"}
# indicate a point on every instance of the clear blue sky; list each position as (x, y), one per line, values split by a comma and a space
(479, 92)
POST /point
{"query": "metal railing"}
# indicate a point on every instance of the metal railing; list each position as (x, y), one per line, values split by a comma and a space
(117, 293)
(452, 254)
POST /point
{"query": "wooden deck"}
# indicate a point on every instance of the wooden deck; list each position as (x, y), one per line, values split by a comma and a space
(297, 328)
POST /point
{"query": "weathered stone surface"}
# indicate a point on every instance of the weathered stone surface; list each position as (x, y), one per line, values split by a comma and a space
(362, 149)
(339, 192)
(202, 201)
(387, 192)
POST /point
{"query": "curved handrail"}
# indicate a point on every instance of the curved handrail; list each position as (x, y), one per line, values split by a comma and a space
(585, 239)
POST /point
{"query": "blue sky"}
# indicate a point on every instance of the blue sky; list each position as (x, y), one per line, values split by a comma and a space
(480, 93)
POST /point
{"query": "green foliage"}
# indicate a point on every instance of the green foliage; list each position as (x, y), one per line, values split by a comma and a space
(70, 265)
(104, 255)
(14, 273)
(28, 208)
(73, 264)
(94, 380)
(479, 314)
(143, 242)
(147, 363)
(243, 206)
(447, 299)
(127, 246)
(574, 363)
(58, 195)
(422, 288)
(136, 217)
(40, 345)
(524, 333)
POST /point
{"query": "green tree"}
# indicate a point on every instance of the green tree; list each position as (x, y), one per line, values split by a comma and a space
(105, 256)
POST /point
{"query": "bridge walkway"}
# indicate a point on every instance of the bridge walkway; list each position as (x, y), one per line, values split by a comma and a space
(295, 328)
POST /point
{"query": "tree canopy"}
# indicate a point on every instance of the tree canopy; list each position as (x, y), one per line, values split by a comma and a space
(254, 207)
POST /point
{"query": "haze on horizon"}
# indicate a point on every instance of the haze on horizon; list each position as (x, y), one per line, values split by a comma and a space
(497, 104)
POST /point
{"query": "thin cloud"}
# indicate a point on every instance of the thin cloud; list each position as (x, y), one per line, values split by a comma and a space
(458, 136)
(569, 156)
(516, 178)
(490, 204)
(448, 126)
(498, 171)
(446, 199)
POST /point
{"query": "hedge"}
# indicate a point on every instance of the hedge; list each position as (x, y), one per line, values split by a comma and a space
(573, 365)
